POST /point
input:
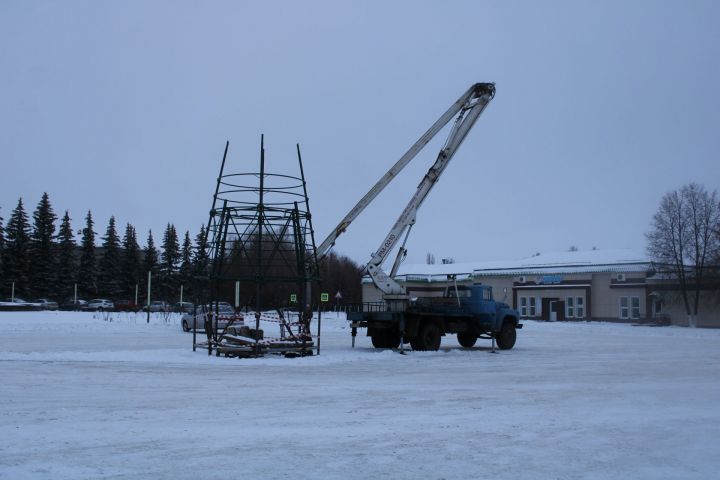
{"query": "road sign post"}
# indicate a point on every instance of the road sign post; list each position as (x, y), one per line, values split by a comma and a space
(324, 298)
(338, 297)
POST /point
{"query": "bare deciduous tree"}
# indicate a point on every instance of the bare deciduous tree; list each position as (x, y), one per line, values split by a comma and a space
(683, 238)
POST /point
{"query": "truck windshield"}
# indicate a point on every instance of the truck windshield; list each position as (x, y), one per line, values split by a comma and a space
(462, 292)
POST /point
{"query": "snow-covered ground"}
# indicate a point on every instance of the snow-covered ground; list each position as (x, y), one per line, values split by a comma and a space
(92, 396)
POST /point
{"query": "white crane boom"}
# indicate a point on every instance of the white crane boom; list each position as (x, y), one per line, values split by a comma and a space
(466, 109)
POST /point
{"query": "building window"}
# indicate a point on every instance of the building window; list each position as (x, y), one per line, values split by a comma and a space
(574, 307)
(629, 308)
(523, 306)
(635, 307)
(580, 307)
(529, 306)
(569, 307)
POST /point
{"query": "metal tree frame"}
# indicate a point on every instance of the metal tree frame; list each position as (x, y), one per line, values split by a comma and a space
(260, 234)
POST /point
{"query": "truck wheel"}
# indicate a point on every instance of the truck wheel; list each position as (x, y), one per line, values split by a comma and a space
(385, 340)
(428, 338)
(506, 336)
(467, 339)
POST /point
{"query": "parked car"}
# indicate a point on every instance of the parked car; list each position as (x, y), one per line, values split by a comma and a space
(99, 305)
(15, 300)
(46, 304)
(184, 307)
(158, 306)
(73, 304)
(19, 304)
(225, 314)
(126, 306)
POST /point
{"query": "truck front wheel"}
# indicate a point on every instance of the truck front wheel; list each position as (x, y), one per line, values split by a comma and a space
(467, 339)
(428, 337)
(506, 336)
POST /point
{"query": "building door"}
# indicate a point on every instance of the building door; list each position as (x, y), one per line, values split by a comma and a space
(549, 309)
(552, 313)
(657, 310)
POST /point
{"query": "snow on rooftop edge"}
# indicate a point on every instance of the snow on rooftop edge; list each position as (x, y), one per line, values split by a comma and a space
(553, 259)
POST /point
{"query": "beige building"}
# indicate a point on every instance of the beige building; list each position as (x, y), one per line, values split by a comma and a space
(604, 285)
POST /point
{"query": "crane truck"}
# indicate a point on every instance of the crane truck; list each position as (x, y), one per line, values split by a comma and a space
(471, 313)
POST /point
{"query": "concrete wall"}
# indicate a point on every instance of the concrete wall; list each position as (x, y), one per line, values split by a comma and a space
(708, 310)
(607, 291)
(502, 287)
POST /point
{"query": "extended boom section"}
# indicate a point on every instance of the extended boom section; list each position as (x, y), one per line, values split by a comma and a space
(468, 109)
(475, 98)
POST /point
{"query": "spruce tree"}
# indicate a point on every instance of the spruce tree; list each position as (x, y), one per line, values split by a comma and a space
(110, 267)
(130, 260)
(200, 265)
(16, 252)
(150, 262)
(171, 249)
(170, 258)
(66, 261)
(186, 261)
(87, 272)
(42, 258)
(201, 259)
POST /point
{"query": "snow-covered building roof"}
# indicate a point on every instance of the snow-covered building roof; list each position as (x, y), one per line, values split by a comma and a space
(589, 261)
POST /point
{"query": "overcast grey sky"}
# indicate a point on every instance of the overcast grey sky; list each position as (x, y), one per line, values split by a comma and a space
(601, 107)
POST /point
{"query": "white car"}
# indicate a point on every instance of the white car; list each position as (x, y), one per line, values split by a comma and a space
(19, 304)
(99, 305)
(226, 313)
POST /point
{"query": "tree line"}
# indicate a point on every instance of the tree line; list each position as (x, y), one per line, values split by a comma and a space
(43, 261)
(270, 270)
